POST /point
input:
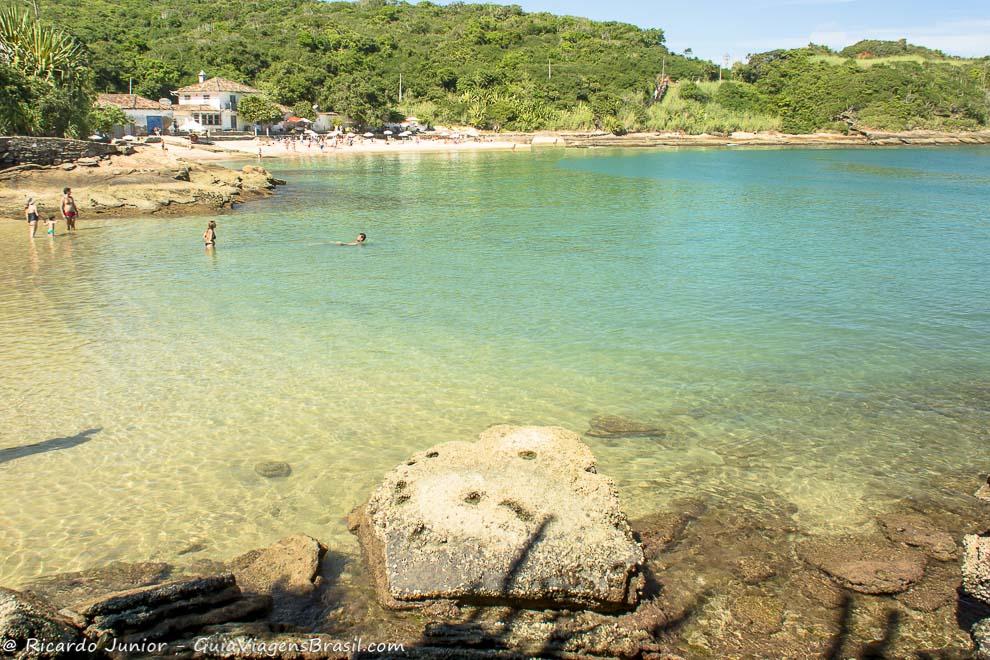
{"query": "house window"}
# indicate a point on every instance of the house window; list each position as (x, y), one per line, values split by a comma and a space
(206, 97)
(233, 102)
(187, 97)
(207, 119)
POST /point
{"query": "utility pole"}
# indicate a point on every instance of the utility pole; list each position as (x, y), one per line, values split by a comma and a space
(549, 70)
(400, 87)
(725, 60)
(663, 67)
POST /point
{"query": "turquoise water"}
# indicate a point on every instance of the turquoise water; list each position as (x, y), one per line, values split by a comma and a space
(812, 324)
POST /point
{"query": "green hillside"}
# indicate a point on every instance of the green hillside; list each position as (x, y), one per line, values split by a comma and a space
(496, 67)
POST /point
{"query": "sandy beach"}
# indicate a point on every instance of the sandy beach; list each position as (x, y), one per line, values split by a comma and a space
(270, 148)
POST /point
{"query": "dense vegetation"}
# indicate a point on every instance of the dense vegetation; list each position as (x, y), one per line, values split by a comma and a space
(497, 67)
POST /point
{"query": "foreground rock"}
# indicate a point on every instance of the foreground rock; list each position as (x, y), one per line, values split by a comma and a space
(160, 611)
(29, 624)
(865, 565)
(287, 572)
(976, 567)
(519, 517)
(983, 492)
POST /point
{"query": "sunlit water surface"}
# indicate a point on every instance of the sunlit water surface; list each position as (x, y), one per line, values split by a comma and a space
(811, 324)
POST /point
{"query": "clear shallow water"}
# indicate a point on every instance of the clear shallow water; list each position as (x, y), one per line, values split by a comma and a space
(813, 324)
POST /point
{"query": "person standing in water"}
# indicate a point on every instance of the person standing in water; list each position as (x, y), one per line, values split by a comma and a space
(210, 235)
(31, 213)
(361, 238)
(69, 210)
(51, 226)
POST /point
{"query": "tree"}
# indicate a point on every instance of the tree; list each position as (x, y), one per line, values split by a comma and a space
(304, 109)
(104, 118)
(259, 109)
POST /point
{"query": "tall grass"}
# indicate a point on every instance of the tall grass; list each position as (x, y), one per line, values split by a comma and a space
(680, 114)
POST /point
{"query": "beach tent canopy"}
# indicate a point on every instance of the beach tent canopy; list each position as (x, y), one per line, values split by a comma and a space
(310, 131)
(190, 125)
(473, 132)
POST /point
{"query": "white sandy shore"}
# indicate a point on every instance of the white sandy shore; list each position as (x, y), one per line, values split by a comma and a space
(226, 149)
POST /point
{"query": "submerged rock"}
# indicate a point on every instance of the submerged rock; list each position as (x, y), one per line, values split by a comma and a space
(865, 565)
(612, 426)
(976, 567)
(24, 618)
(273, 469)
(66, 590)
(518, 517)
(918, 532)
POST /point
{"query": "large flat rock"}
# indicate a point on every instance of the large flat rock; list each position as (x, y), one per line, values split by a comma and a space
(519, 517)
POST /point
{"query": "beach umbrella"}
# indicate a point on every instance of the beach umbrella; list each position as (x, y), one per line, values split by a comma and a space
(95, 136)
(129, 138)
(405, 134)
(473, 132)
(388, 132)
(371, 135)
(190, 125)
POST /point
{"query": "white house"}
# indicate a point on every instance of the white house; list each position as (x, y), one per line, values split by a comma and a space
(145, 115)
(213, 104)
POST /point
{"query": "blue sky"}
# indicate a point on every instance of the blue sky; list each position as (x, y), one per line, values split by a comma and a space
(712, 28)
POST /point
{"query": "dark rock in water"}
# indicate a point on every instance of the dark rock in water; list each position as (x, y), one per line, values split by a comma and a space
(519, 517)
(939, 587)
(981, 637)
(273, 469)
(752, 570)
(25, 617)
(865, 565)
(976, 567)
(161, 610)
(611, 426)
(657, 531)
(286, 571)
(819, 589)
(66, 590)
(919, 532)
(760, 614)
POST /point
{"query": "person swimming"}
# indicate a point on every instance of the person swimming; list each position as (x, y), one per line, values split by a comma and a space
(361, 238)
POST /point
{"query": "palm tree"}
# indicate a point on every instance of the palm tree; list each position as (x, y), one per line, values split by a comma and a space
(54, 95)
(38, 49)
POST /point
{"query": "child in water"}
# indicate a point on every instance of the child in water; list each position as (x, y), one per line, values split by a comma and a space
(51, 225)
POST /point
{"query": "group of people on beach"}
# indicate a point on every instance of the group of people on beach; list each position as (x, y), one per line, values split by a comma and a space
(69, 213)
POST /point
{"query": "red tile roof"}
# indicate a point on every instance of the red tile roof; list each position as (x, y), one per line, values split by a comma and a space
(218, 85)
(128, 102)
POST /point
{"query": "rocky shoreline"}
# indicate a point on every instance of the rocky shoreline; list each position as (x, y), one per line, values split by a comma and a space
(146, 182)
(514, 546)
(860, 138)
